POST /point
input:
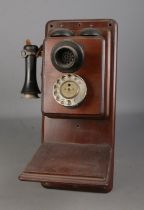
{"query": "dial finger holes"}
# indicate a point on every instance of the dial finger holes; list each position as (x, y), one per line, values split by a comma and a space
(69, 90)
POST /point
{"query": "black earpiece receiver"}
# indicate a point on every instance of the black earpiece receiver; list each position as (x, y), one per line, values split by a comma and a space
(67, 56)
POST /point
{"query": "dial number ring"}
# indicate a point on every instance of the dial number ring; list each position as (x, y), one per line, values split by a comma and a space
(69, 90)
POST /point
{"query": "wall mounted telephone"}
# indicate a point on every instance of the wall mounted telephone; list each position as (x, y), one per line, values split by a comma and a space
(78, 104)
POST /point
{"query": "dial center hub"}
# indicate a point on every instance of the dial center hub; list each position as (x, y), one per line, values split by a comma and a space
(69, 89)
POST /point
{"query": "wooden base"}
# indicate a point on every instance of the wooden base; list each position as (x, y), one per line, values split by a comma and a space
(71, 166)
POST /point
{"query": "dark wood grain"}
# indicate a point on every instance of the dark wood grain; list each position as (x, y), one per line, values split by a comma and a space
(92, 71)
(77, 150)
(84, 163)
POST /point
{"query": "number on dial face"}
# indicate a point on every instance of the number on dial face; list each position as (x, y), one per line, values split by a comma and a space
(69, 90)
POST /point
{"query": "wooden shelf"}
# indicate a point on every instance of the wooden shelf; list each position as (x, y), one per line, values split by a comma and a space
(70, 164)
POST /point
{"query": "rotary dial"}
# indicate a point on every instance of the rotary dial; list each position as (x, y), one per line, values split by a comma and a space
(69, 90)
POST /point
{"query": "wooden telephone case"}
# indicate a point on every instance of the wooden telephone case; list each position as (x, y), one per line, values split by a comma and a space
(77, 147)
